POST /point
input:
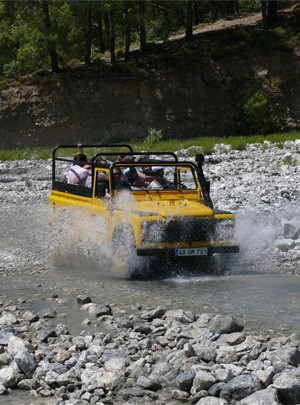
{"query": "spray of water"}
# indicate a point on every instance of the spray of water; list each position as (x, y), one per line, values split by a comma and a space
(257, 233)
(30, 240)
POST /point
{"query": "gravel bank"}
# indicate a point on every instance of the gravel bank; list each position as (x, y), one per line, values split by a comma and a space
(153, 355)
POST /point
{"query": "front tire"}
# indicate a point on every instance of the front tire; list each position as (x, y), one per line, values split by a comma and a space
(123, 250)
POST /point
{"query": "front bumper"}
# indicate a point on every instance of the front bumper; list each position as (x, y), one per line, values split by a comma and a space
(170, 251)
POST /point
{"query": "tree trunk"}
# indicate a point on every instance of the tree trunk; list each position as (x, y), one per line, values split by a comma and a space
(264, 15)
(50, 45)
(213, 10)
(189, 21)
(232, 7)
(100, 34)
(272, 13)
(143, 42)
(269, 13)
(112, 37)
(88, 38)
(127, 30)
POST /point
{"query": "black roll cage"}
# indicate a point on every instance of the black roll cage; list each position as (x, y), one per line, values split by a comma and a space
(204, 184)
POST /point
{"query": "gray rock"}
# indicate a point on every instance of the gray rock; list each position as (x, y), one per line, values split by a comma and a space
(180, 395)
(8, 376)
(240, 387)
(3, 390)
(285, 356)
(288, 387)
(154, 313)
(205, 353)
(263, 397)
(5, 334)
(25, 362)
(126, 323)
(148, 383)
(203, 381)
(47, 313)
(215, 389)
(61, 329)
(224, 324)
(30, 316)
(184, 381)
(291, 230)
(212, 401)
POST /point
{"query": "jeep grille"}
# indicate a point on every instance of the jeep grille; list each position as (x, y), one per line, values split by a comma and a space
(179, 230)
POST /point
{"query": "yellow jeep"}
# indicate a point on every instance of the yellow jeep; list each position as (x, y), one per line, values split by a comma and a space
(152, 208)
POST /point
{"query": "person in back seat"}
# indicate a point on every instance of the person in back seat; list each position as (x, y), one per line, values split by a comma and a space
(78, 173)
(102, 176)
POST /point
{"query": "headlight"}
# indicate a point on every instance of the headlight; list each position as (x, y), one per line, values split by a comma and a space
(225, 229)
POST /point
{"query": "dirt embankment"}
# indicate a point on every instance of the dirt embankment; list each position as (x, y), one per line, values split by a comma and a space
(188, 100)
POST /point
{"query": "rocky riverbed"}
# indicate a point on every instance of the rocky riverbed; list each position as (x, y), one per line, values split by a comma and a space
(142, 354)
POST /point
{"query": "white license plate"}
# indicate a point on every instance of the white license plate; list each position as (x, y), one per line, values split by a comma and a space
(191, 252)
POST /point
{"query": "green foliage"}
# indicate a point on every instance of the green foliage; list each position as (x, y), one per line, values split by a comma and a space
(188, 56)
(193, 145)
(132, 69)
(28, 183)
(11, 69)
(256, 107)
(25, 40)
(154, 136)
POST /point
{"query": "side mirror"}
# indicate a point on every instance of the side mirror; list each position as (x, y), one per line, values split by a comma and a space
(100, 192)
(207, 186)
(199, 159)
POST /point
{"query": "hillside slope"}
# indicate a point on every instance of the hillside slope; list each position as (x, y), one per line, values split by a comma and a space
(233, 78)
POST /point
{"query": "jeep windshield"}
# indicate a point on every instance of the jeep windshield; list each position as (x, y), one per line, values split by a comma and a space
(154, 176)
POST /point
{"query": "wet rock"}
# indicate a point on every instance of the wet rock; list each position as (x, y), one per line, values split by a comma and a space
(224, 324)
(47, 313)
(83, 299)
(154, 313)
(291, 230)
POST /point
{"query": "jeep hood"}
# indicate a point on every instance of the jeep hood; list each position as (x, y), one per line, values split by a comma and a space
(168, 208)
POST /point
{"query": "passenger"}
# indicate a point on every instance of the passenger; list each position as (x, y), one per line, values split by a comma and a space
(131, 173)
(101, 177)
(78, 173)
(160, 180)
(120, 180)
(145, 173)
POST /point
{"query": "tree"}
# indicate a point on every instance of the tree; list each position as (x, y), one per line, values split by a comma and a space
(127, 29)
(189, 20)
(143, 43)
(50, 41)
(112, 37)
(88, 37)
(269, 13)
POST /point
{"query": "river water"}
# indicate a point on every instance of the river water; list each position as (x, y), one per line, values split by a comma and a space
(264, 302)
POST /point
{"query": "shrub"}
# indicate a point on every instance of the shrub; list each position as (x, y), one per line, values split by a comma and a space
(154, 136)
(11, 69)
(256, 107)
